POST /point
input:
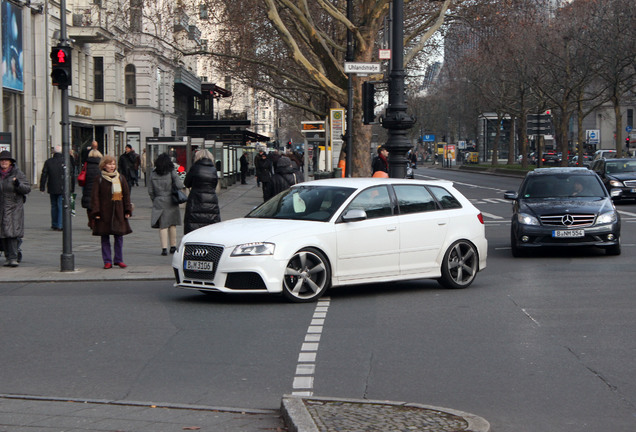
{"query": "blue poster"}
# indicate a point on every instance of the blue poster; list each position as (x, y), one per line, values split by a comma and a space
(12, 58)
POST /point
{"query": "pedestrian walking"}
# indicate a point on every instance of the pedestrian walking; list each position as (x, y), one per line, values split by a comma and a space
(52, 180)
(110, 210)
(263, 166)
(92, 173)
(128, 165)
(285, 175)
(244, 166)
(202, 208)
(256, 158)
(14, 188)
(165, 213)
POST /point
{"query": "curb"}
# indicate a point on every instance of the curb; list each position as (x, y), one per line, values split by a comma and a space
(298, 418)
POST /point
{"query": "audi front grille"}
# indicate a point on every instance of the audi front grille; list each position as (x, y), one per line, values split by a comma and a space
(201, 252)
(569, 220)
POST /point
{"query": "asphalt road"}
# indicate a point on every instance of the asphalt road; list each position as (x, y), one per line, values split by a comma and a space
(543, 343)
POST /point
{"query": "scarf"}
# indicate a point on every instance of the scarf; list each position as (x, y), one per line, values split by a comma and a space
(114, 179)
(386, 162)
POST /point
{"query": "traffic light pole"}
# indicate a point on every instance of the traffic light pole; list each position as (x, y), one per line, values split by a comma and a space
(67, 259)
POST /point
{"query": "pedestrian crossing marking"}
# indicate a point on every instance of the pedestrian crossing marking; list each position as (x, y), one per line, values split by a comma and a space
(490, 201)
(491, 216)
(623, 212)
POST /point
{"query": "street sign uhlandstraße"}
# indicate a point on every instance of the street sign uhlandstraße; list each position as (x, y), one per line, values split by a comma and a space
(361, 68)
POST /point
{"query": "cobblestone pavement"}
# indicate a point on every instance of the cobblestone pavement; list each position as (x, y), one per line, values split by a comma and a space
(318, 414)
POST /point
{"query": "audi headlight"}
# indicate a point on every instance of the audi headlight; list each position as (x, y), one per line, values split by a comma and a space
(252, 249)
(606, 218)
(526, 219)
(616, 183)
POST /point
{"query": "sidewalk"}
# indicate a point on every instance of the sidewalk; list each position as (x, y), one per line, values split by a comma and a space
(42, 250)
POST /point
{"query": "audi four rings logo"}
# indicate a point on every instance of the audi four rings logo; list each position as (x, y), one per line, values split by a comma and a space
(567, 220)
(199, 253)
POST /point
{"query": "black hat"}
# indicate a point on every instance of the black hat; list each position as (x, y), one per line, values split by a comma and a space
(6, 155)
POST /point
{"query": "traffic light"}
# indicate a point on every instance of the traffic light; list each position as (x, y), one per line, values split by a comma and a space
(627, 141)
(368, 103)
(61, 66)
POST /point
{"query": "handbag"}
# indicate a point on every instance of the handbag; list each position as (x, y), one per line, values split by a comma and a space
(178, 196)
(81, 178)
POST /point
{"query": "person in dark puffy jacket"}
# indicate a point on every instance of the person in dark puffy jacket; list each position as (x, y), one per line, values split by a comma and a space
(14, 187)
(286, 174)
(92, 172)
(202, 208)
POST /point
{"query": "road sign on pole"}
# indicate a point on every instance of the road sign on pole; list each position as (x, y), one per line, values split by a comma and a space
(539, 124)
(593, 136)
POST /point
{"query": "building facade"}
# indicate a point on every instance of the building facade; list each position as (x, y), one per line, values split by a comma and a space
(130, 78)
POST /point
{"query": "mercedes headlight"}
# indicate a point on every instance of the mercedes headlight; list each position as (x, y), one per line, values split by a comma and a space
(526, 219)
(254, 249)
(606, 218)
(616, 183)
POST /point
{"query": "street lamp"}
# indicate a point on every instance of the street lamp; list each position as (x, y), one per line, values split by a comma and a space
(397, 121)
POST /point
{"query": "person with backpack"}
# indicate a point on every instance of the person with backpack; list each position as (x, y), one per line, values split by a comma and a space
(285, 175)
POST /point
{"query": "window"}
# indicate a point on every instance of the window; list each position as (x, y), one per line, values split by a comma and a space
(136, 10)
(203, 11)
(131, 85)
(228, 83)
(445, 198)
(98, 78)
(414, 199)
(374, 201)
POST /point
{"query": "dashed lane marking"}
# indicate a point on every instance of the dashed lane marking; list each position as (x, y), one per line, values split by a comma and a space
(306, 367)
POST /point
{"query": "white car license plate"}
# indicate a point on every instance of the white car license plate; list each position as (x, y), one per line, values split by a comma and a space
(198, 265)
(634, 190)
(568, 233)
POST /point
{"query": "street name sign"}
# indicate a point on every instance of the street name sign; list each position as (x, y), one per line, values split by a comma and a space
(361, 68)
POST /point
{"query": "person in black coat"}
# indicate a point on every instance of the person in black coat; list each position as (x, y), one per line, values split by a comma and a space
(92, 172)
(52, 180)
(381, 161)
(202, 208)
(128, 165)
(244, 164)
(14, 187)
(263, 166)
(285, 175)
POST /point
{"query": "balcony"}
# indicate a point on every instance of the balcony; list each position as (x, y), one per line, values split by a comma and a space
(181, 21)
(90, 25)
(194, 34)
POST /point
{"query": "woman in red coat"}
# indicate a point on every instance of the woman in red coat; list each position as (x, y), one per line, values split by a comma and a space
(110, 210)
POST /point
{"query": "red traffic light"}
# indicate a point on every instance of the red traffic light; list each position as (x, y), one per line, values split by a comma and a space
(61, 66)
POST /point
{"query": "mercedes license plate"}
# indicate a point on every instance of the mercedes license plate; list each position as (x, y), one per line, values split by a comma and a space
(198, 265)
(568, 233)
(634, 190)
